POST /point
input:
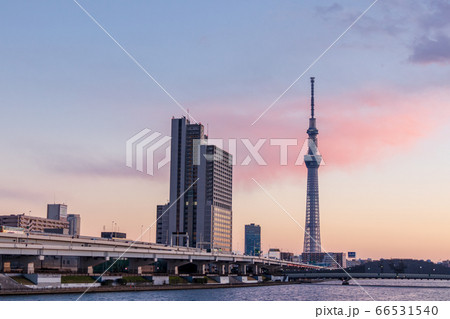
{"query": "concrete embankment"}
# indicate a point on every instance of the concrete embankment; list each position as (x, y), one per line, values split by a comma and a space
(6, 283)
(137, 288)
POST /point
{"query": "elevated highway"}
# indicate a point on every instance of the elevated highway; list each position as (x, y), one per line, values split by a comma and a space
(35, 248)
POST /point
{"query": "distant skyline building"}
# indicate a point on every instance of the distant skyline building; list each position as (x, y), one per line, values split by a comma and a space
(200, 213)
(285, 255)
(74, 221)
(274, 253)
(252, 239)
(35, 224)
(162, 224)
(57, 211)
(328, 259)
(113, 234)
(312, 243)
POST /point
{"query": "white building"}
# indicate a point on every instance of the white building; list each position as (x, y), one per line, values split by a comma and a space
(274, 253)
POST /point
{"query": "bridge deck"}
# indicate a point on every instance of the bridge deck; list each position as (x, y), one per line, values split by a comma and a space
(57, 245)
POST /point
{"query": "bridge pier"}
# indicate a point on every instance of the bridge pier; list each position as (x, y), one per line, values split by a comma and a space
(202, 267)
(87, 264)
(271, 268)
(29, 263)
(255, 269)
(243, 269)
(224, 268)
(174, 265)
(26, 264)
(221, 268)
(135, 265)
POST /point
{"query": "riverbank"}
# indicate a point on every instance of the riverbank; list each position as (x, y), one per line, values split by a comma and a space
(131, 288)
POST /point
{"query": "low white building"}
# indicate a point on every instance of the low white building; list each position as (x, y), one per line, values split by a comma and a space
(274, 253)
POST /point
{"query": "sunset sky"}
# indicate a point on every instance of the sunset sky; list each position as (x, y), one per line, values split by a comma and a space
(70, 98)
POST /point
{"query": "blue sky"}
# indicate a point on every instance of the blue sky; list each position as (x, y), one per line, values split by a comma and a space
(70, 98)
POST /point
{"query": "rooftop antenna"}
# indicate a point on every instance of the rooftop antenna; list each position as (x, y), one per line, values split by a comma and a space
(207, 129)
(312, 97)
(189, 116)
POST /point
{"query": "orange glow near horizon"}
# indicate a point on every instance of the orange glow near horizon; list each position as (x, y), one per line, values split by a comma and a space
(379, 196)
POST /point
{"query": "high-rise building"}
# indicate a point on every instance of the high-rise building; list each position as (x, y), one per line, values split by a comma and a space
(252, 240)
(183, 182)
(312, 161)
(200, 213)
(57, 211)
(214, 214)
(74, 224)
(162, 224)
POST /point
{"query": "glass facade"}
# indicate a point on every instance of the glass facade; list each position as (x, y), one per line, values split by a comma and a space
(252, 240)
(216, 182)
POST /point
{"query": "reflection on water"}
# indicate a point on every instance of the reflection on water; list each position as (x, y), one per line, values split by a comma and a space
(382, 290)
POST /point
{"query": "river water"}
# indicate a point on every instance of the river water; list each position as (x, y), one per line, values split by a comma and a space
(380, 290)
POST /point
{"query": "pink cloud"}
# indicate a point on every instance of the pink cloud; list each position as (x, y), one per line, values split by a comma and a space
(354, 128)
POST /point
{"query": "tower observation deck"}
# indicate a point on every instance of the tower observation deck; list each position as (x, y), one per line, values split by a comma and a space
(312, 162)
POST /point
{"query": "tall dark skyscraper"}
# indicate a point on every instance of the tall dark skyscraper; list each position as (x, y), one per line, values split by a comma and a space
(312, 162)
(183, 174)
(200, 213)
(252, 240)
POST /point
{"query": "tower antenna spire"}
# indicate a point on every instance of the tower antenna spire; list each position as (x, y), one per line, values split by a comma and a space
(312, 97)
(313, 159)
